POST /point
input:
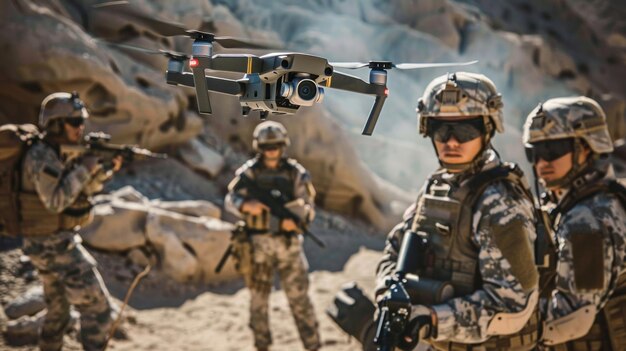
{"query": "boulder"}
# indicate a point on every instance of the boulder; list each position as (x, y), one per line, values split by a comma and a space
(176, 260)
(27, 304)
(194, 208)
(190, 247)
(201, 158)
(206, 239)
(117, 226)
(25, 330)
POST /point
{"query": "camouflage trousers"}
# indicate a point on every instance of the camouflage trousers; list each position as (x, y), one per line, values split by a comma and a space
(69, 276)
(283, 254)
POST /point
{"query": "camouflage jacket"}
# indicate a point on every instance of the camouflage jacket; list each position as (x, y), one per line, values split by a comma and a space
(60, 186)
(465, 319)
(300, 200)
(591, 242)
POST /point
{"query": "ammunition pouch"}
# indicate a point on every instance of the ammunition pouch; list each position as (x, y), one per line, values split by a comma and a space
(35, 218)
(242, 253)
(615, 315)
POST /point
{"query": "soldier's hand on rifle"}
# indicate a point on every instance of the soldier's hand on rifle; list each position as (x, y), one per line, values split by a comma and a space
(419, 328)
(288, 225)
(253, 207)
(92, 163)
(117, 163)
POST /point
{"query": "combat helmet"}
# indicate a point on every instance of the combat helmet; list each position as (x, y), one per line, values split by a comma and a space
(269, 132)
(58, 106)
(569, 117)
(578, 118)
(461, 94)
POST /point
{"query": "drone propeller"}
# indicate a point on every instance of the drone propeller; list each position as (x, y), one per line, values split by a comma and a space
(170, 29)
(170, 54)
(390, 65)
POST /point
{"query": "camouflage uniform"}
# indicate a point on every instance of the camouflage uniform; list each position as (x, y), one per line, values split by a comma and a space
(67, 270)
(485, 254)
(59, 205)
(590, 234)
(273, 250)
(466, 319)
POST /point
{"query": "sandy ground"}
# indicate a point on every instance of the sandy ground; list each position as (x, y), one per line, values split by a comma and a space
(166, 315)
(218, 320)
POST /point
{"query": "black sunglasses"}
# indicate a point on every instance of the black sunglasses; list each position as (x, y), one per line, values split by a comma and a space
(74, 121)
(463, 130)
(549, 150)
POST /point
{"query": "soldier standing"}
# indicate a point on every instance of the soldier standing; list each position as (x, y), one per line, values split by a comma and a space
(276, 243)
(54, 199)
(476, 215)
(567, 141)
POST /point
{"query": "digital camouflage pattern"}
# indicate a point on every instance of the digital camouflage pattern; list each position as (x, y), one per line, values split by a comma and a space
(67, 270)
(599, 217)
(569, 117)
(273, 252)
(465, 319)
(460, 94)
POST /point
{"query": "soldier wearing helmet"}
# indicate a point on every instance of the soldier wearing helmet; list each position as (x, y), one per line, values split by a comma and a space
(275, 244)
(476, 218)
(567, 141)
(55, 203)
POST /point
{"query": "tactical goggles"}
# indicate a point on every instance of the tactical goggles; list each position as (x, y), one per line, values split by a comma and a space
(74, 121)
(271, 147)
(462, 130)
(549, 150)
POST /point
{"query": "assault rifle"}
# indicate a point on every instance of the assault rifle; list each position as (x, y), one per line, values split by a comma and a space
(404, 290)
(97, 144)
(277, 207)
(237, 233)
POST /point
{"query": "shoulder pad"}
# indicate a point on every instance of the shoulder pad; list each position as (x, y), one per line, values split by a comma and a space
(251, 163)
(296, 165)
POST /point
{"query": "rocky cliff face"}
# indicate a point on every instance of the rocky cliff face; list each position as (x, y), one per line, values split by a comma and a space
(532, 49)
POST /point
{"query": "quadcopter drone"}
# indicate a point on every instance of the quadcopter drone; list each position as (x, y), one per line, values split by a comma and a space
(278, 83)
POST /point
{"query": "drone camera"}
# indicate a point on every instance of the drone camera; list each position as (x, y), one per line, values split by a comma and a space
(302, 92)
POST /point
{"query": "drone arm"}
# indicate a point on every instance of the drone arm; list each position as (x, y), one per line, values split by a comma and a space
(236, 63)
(374, 113)
(347, 82)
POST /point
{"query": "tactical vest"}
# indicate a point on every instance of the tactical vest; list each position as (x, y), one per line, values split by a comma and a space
(608, 331)
(444, 214)
(37, 220)
(280, 184)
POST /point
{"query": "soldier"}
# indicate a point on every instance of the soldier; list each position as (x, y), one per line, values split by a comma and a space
(476, 216)
(567, 141)
(54, 205)
(276, 243)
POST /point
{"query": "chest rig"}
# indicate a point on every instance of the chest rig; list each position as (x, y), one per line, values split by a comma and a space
(444, 218)
(37, 220)
(279, 183)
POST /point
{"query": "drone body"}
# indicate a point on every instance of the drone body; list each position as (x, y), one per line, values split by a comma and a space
(278, 83)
